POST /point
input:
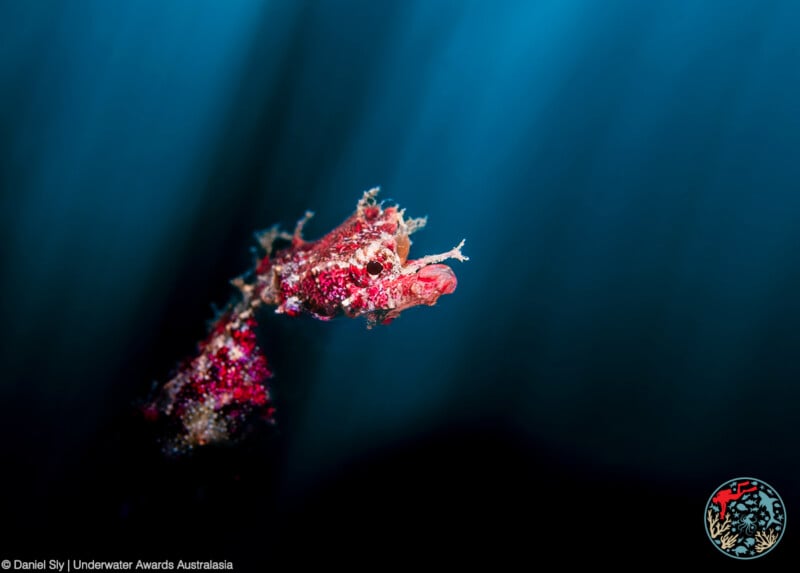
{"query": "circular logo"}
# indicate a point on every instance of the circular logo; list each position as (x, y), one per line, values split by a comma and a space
(745, 518)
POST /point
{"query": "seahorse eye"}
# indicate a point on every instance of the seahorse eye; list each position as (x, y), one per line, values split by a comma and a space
(374, 267)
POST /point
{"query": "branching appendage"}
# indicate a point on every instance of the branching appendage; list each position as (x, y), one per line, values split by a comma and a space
(267, 238)
(411, 226)
(454, 253)
(297, 237)
(367, 200)
(728, 540)
(765, 540)
(716, 528)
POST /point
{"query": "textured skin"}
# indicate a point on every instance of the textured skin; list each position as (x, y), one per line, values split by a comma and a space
(361, 268)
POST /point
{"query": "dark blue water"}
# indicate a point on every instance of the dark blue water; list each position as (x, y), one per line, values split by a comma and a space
(625, 174)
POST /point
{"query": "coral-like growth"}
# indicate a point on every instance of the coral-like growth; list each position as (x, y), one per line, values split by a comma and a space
(728, 540)
(765, 540)
(716, 528)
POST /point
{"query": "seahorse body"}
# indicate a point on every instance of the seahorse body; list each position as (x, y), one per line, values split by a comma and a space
(361, 268)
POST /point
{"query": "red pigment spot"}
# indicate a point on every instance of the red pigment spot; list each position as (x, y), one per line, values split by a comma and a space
(245, 338)
(263, 266)
(371, 212)
(150, 412)
(259, 399)
(358, 276)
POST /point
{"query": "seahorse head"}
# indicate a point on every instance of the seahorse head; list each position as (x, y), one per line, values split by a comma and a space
(361, 268)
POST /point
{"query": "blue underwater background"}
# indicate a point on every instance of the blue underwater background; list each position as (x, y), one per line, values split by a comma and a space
(623, 340)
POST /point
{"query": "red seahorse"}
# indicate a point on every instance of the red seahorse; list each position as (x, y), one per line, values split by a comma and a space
(361, 268)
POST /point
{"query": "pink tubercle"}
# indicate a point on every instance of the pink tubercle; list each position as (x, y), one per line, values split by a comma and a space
(442, 275)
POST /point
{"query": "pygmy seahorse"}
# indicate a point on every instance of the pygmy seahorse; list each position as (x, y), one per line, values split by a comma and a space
(361, 268)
